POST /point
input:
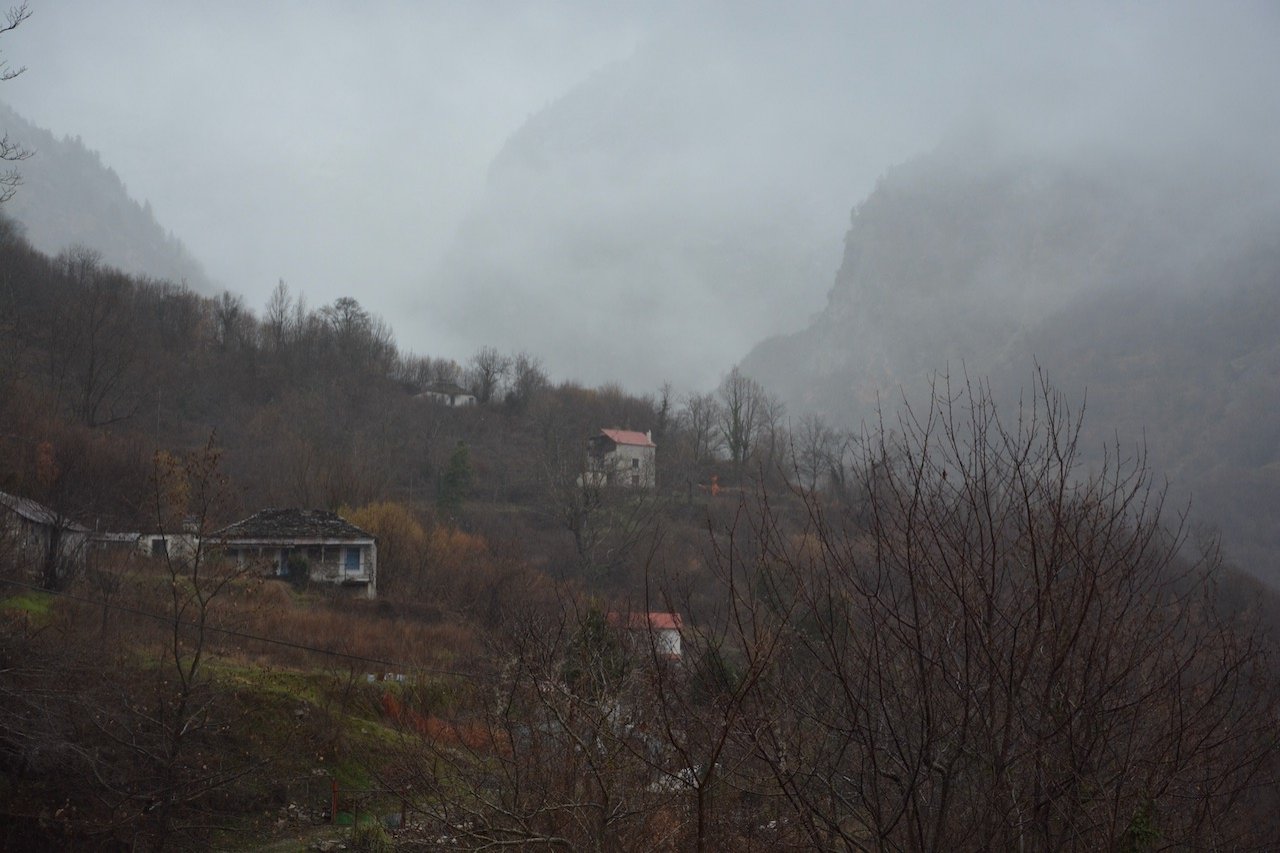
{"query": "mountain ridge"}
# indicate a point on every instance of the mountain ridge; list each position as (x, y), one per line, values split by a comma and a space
(1149, 288)
(69, 197)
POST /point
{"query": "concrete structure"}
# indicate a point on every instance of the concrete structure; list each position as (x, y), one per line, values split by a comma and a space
(321, 543)
(180, 546)
(619, 457)
(449, 394)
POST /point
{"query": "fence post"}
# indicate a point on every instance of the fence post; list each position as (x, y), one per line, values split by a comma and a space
(333, 805)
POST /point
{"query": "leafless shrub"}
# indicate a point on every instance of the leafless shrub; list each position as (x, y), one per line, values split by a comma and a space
(996, 650)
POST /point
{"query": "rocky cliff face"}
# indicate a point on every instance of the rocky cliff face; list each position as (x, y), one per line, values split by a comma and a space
(70, 197)
(1151, 287)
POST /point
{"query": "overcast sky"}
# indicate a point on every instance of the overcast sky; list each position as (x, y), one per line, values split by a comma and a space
(333, 144)
(347, 147)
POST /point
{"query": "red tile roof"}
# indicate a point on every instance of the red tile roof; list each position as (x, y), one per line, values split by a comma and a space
(627, 436)
(652, 621)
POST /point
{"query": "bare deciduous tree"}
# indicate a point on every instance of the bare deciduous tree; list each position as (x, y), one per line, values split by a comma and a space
(554, 758)
(11, 151)
(445, 371)
(487, 370)
(772, 430)
(93, 353)
(699, 421)
(813, 449)
(528, 379)
(741, 398)
(751, 422)
(188, 494)
(997, 650)
(233, 324)
(989, 649)
(278, 318)
(136, 733)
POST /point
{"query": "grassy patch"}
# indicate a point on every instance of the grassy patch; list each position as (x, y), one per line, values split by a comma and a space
(33, 603)
(294, 685)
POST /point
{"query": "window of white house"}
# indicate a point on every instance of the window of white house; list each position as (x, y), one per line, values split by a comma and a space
(351, 561)
(635, 463)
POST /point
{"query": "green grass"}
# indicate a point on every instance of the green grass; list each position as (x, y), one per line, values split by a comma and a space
(303, 724)
(310, 686)
(33, 603)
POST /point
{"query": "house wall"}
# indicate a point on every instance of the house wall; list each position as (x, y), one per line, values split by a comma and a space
(327, 562)
(636, 466)
(31, 542)
(667, 642)
(625, 465)
(179, 546)
(453, 400)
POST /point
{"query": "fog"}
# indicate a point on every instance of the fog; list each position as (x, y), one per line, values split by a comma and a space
(633, 194)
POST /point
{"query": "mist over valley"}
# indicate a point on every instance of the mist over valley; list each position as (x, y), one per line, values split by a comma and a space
(830, 427)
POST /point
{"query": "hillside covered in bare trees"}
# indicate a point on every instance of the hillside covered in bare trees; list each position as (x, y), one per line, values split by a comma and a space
(922, 576)
(945, 631)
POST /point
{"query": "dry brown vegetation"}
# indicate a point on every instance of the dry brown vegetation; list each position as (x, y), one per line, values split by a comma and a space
(982, 651)
(944, 635)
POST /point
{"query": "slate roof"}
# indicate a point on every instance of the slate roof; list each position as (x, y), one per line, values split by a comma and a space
(271, 525)
(631, 437)
(38, 512)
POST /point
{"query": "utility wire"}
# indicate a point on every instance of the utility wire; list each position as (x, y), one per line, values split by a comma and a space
(394, 665)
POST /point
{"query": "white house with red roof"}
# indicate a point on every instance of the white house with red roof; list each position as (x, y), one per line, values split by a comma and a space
(661, 629)
(621, 457)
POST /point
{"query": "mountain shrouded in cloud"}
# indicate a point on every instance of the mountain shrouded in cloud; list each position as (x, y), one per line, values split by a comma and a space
(69, 197)
(1149, 286)
(617, 244)
(686, 202)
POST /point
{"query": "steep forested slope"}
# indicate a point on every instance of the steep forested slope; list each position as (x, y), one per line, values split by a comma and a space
(69, 197)
(314, 408)
(1151, 286)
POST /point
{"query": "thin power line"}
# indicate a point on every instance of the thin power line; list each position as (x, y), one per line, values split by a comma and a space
(396, 665)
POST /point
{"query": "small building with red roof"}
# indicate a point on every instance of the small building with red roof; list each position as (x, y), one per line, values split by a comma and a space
(622, 457)
(662, 629)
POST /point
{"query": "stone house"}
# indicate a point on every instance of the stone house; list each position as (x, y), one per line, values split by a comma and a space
(46, 540)
(620, 457)
(327, 547)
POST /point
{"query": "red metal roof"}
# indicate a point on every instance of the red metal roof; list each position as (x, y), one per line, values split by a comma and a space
(627, 436)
